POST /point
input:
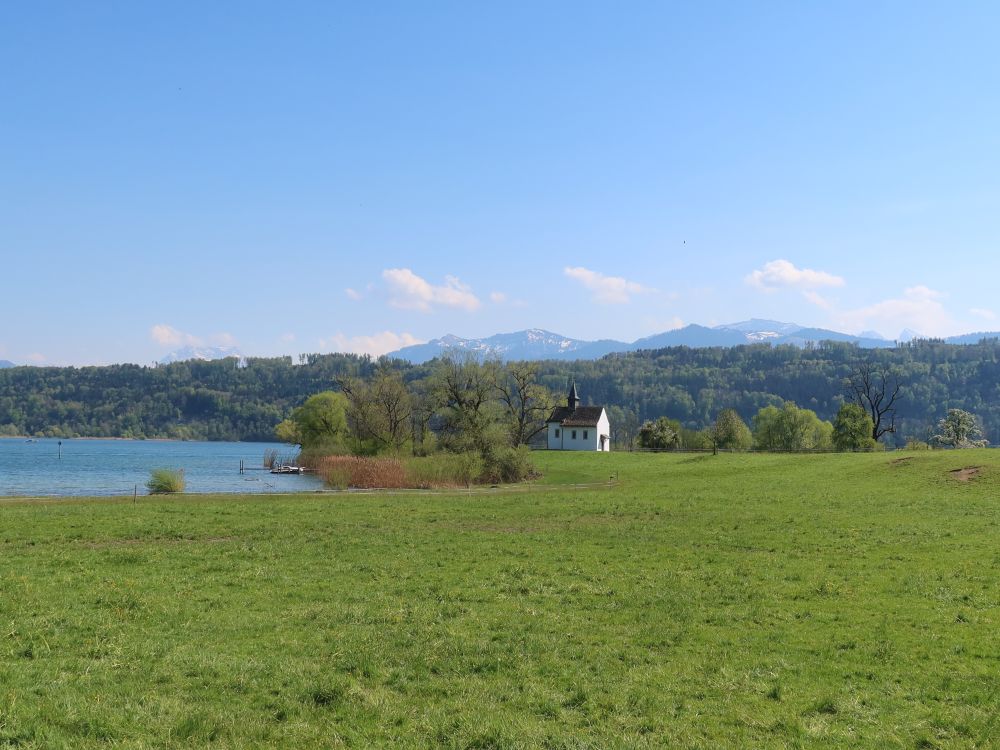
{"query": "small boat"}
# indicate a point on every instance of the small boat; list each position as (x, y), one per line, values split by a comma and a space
(288, 470)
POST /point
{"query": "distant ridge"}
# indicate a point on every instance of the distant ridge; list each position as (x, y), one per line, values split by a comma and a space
(972, 338)
(690, 335)
(536, 343)
(6, 363)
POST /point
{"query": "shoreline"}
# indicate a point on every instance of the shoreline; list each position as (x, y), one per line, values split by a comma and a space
(146, 440)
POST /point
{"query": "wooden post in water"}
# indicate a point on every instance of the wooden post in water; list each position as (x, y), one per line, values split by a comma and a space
(60, 450)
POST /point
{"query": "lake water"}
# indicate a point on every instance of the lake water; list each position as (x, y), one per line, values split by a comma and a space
(115, 467)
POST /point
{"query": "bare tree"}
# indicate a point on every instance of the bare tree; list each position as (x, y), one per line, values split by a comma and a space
(874, 387)
(526, 401)
(465, 390)
(421, 415)
(379, 411)
(624, 426)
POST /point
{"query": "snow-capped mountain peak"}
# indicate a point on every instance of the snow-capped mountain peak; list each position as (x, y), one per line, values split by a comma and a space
(204, 353)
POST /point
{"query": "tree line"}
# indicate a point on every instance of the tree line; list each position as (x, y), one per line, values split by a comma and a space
(487, 412)
(229, 400)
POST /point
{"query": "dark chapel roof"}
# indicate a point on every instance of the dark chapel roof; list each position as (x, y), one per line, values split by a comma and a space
(581, 416)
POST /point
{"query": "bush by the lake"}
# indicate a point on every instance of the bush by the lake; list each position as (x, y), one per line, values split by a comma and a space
(165, 481)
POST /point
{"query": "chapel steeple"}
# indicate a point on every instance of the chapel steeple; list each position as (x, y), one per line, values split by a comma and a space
(574, 400)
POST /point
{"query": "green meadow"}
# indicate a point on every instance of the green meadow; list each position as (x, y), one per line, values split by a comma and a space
(698, 601)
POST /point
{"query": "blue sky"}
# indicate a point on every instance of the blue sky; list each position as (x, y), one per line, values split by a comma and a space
(301, 177)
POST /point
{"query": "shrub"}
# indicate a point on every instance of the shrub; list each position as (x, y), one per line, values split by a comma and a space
(507, 465)
(165, 481)
(441, 470)
(470, 468)
(917, 445)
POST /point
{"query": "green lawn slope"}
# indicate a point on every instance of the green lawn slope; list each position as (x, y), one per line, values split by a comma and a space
(700, 601)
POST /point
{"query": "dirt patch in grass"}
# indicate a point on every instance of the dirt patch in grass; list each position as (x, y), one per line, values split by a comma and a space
(900, 461)
(967, 474)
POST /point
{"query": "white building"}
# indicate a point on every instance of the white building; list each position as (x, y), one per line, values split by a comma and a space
(578, 428)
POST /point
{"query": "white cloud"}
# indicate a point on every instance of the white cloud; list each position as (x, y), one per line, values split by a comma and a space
(353, 294)
(777, 274)
(817, 299)
(981, 312)
(168, 336)
(502, 298)
(608, 290)
(659, 325)
(375, 345)
(919, 308)
(287, 338)
(165, 335)
(36, 358)
(411, 292)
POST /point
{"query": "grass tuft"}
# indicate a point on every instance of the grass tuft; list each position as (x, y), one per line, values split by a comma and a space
(165, 481)
(326, 696)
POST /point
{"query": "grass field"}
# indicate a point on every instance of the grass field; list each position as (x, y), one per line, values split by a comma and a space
(703, 601)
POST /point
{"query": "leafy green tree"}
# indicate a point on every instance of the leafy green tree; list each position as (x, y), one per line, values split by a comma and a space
(319, 425)
(791, 429)
(730, 432)
(852, 429)
(960, 429)
(659, 435)
(287, 431)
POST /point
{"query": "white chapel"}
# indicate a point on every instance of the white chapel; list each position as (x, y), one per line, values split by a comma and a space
(578, 428)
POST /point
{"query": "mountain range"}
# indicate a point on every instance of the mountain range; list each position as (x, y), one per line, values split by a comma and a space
(536, 343)
(6, 363)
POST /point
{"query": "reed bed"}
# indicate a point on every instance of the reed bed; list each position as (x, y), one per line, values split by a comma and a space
(384, 472)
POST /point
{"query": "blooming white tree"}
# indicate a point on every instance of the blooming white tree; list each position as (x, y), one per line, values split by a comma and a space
(960, 429)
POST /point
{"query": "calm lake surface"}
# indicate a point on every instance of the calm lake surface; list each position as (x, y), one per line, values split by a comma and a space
(115, 467)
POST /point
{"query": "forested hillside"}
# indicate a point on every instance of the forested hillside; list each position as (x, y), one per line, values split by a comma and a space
(221, 400)
(693, 385)
(217, 400)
